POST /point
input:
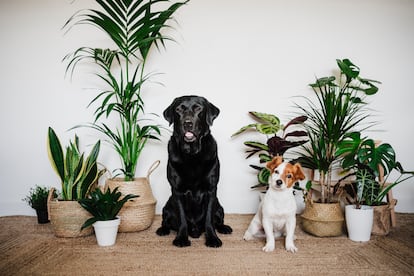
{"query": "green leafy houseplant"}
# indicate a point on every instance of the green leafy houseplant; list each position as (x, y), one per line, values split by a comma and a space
(278, 140)
(77, 173)
(133, 27)
(37, 197)
(337, 111)
(363, 159)
(103, 206)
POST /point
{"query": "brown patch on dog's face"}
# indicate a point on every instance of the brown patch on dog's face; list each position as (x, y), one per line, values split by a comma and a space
(284, 173)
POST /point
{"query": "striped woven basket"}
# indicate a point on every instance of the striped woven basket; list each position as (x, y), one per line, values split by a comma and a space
(138, 213)
(67, 217)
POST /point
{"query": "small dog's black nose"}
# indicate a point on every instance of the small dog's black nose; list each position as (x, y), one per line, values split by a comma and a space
(279, 182)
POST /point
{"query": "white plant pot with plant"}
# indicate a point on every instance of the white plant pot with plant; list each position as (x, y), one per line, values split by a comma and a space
(106, 231)
(104, 208)
(359, 222)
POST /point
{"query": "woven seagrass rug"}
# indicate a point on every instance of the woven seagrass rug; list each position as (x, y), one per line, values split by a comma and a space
(27, 248)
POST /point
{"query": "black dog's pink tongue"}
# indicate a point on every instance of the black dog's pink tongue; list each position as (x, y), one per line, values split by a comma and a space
(189, 135)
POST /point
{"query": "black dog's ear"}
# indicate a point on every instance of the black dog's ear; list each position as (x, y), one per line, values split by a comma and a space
(169, 112)
(212, 113)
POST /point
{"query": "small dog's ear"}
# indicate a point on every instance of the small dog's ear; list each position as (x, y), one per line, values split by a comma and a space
(274, 163)
(169, 112)
(211, 113)
(298, 172)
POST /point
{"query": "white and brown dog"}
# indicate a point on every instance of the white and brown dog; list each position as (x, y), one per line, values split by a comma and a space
(276, 215)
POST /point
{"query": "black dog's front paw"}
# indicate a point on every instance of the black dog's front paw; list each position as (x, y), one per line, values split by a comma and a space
(163, 231)
(213, 242)
(224, 229)
(181, 242)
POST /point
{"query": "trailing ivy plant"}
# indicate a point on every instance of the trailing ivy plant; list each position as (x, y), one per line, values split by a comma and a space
(134, 27)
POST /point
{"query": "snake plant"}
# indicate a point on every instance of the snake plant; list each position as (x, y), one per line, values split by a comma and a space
(133, 27)
(76, 173)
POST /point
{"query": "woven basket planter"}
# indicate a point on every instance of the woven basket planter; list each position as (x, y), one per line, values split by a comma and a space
(323, 219)
(138, 213)
(67, 218)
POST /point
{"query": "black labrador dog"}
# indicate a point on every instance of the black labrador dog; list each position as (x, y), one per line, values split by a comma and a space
(193, 172)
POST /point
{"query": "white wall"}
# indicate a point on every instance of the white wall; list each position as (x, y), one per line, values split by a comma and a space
(241, 55)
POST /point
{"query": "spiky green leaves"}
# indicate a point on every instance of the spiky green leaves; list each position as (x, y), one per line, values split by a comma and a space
(77, 175)
(103, 206)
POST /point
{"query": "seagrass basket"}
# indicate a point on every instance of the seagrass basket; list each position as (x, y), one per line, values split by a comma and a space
(137, 214)
(323, 219)
(67, 218)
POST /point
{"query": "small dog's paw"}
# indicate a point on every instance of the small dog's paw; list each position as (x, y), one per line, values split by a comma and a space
(268, 248)
(181, 242)
(247, 236)
(224, 229)
(213, 242)
(291, 248)
(163, 231)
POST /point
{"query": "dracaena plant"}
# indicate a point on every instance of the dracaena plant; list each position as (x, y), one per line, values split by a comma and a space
(77, 173)
(363, 159)
(103, 206)
(339, 108)
(279, 139)
(134, 27)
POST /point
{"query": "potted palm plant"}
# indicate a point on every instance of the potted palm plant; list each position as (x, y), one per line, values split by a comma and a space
(104, 208)
(369, 164)
(37, 199)
(134, 27)
(337, 111)
(78, 175)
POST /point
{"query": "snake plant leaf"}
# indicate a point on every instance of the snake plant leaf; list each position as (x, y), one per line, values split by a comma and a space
(55, 153)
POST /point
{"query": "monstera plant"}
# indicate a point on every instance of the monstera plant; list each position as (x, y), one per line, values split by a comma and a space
(134, 27)
(279, 139)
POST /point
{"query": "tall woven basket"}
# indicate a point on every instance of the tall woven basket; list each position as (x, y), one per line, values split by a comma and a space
(323, 219)
(67, 218)
(138, 213)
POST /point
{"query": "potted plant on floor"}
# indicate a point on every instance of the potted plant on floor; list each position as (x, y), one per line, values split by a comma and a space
(370, 164)
(37, 199)
(279, 139)
(104, 208)
(134, 27)
(78, 175)
(337, 111)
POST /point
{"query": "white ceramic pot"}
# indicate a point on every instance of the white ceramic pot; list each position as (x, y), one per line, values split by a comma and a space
(106, 231)
(359, 222)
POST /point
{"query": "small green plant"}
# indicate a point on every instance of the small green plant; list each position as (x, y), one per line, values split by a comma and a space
(363, 159)
(37, 197)
(76, 173)
(103, 206)
(278, 140)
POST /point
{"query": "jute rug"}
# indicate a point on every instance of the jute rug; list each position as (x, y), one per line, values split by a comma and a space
(28, 248)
